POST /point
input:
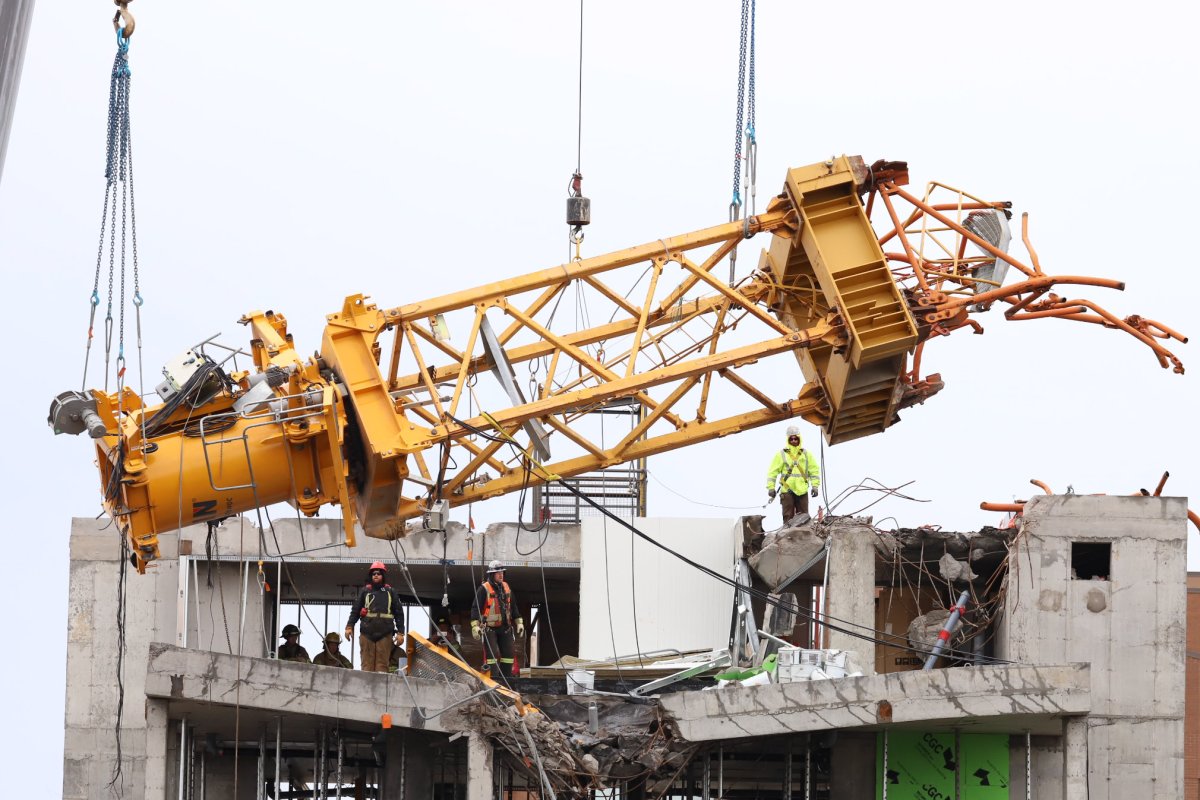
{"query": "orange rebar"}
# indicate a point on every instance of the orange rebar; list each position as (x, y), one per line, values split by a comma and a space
(1194, 518)
(1013, 507)
(1041, 485)
(918, 270)
(1164, 331)
(1033, 257)
(987, 247)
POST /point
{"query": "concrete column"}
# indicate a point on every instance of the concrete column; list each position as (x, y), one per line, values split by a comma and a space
(851, 592)
(852, 767)
(1075, 759)
(480, 775)
(157, 731)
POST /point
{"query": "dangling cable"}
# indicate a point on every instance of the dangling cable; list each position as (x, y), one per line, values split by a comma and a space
(579, 208)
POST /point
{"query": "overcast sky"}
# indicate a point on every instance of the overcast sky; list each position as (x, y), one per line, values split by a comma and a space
(291, 153)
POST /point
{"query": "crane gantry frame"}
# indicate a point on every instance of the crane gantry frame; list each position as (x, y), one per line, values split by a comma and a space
(384, 439)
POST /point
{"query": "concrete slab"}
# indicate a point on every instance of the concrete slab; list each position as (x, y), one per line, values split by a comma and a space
(195, 680)
(979, 699)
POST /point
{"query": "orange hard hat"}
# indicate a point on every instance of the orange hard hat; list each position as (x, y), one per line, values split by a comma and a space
(378, 565)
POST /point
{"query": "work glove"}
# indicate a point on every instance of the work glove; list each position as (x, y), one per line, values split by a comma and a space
(349, 633)
(813, 492)
(475, 629)
(520, 627)
(770, 494)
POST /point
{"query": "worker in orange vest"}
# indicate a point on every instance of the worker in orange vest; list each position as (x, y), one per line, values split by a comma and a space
(494, 619)
(378, 607)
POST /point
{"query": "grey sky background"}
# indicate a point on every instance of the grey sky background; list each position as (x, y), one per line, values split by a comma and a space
(290, 153)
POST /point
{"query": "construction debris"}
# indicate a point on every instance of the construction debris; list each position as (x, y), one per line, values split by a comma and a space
(632, 740)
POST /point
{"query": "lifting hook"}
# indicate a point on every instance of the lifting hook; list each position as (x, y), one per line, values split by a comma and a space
(123, 15)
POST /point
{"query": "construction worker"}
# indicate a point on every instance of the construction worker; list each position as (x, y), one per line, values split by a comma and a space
(798, 475)
(494, 617)
(378, 606)
(331, 656)
(291, 650)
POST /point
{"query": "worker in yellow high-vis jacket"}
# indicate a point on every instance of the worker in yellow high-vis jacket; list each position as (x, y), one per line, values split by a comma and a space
(798, 474)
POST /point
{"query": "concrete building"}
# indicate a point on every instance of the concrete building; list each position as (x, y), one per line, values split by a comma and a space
(1076, 688)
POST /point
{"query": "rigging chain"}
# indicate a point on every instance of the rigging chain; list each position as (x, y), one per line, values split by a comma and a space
(744, 136)
(118, 200)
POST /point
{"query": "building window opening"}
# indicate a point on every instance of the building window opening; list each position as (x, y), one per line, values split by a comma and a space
(1091, 561)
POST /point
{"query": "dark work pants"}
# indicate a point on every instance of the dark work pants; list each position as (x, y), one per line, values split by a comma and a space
(793, 504)
(498, 652)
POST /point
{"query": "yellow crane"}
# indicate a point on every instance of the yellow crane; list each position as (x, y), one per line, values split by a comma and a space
(389, 439)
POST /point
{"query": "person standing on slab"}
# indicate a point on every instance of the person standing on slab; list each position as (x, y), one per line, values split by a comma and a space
(797, 473)
(379, 610)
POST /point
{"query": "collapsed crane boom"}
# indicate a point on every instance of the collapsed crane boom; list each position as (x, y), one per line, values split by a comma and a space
(700, 358)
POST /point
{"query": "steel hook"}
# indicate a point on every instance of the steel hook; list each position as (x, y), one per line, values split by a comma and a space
(123, 15)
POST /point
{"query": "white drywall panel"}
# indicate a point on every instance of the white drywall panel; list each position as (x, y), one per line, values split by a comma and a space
(675, 605)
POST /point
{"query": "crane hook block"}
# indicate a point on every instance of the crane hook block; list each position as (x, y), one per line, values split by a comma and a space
(579, 211)
(579, 208)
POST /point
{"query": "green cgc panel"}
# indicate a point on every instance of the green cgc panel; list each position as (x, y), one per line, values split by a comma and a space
(921, 766)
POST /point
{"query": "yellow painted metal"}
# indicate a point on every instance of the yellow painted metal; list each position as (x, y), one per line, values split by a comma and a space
(833, 261)
(381, 440)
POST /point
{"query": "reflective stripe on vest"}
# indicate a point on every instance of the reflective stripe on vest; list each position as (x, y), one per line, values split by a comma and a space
(379, 614)
(789, 465)
(492, 616)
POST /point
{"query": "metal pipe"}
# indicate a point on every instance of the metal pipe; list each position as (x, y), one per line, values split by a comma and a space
(245, 593)
(279, 601)
(196, 596)
(808, 770)
(1004, 507)
(825, 593)
(958, 764)
(183, 635)
(260, 774)
(706, 780)
(191, 781)
(787, 771)
(721, 771)
(182, 749)
(947, 629)
(340, 751)
(314, 759)
(278, 748)
(885, 763)
(1028, 767)
(203, 773)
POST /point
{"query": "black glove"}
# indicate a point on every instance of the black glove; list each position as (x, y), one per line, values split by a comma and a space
(770, 495)
(813, 492)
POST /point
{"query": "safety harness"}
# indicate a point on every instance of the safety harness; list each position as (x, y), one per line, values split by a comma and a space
(494, 614)
(792, 466)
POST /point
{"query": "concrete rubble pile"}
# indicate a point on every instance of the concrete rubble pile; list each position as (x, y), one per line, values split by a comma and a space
(630, 741)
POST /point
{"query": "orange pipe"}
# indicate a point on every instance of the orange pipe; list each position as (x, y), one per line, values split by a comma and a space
(1195, 518)
(942, 218)
(1168, 331)
(1161, 483)
(1033, 257)
(884, 194)
(1002, 506)
(1041, 485)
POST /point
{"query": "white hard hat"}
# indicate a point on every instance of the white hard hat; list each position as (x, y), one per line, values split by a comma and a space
(793, 430)
(495, 566)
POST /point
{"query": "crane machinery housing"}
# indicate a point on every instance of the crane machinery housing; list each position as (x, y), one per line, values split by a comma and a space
(388, 440)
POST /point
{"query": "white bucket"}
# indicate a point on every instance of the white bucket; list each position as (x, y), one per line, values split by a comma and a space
(580, 681)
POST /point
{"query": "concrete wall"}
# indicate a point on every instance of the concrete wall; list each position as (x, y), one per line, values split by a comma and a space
(1191, 726)
(676, 607)
(1130, 627)
(89, 755)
